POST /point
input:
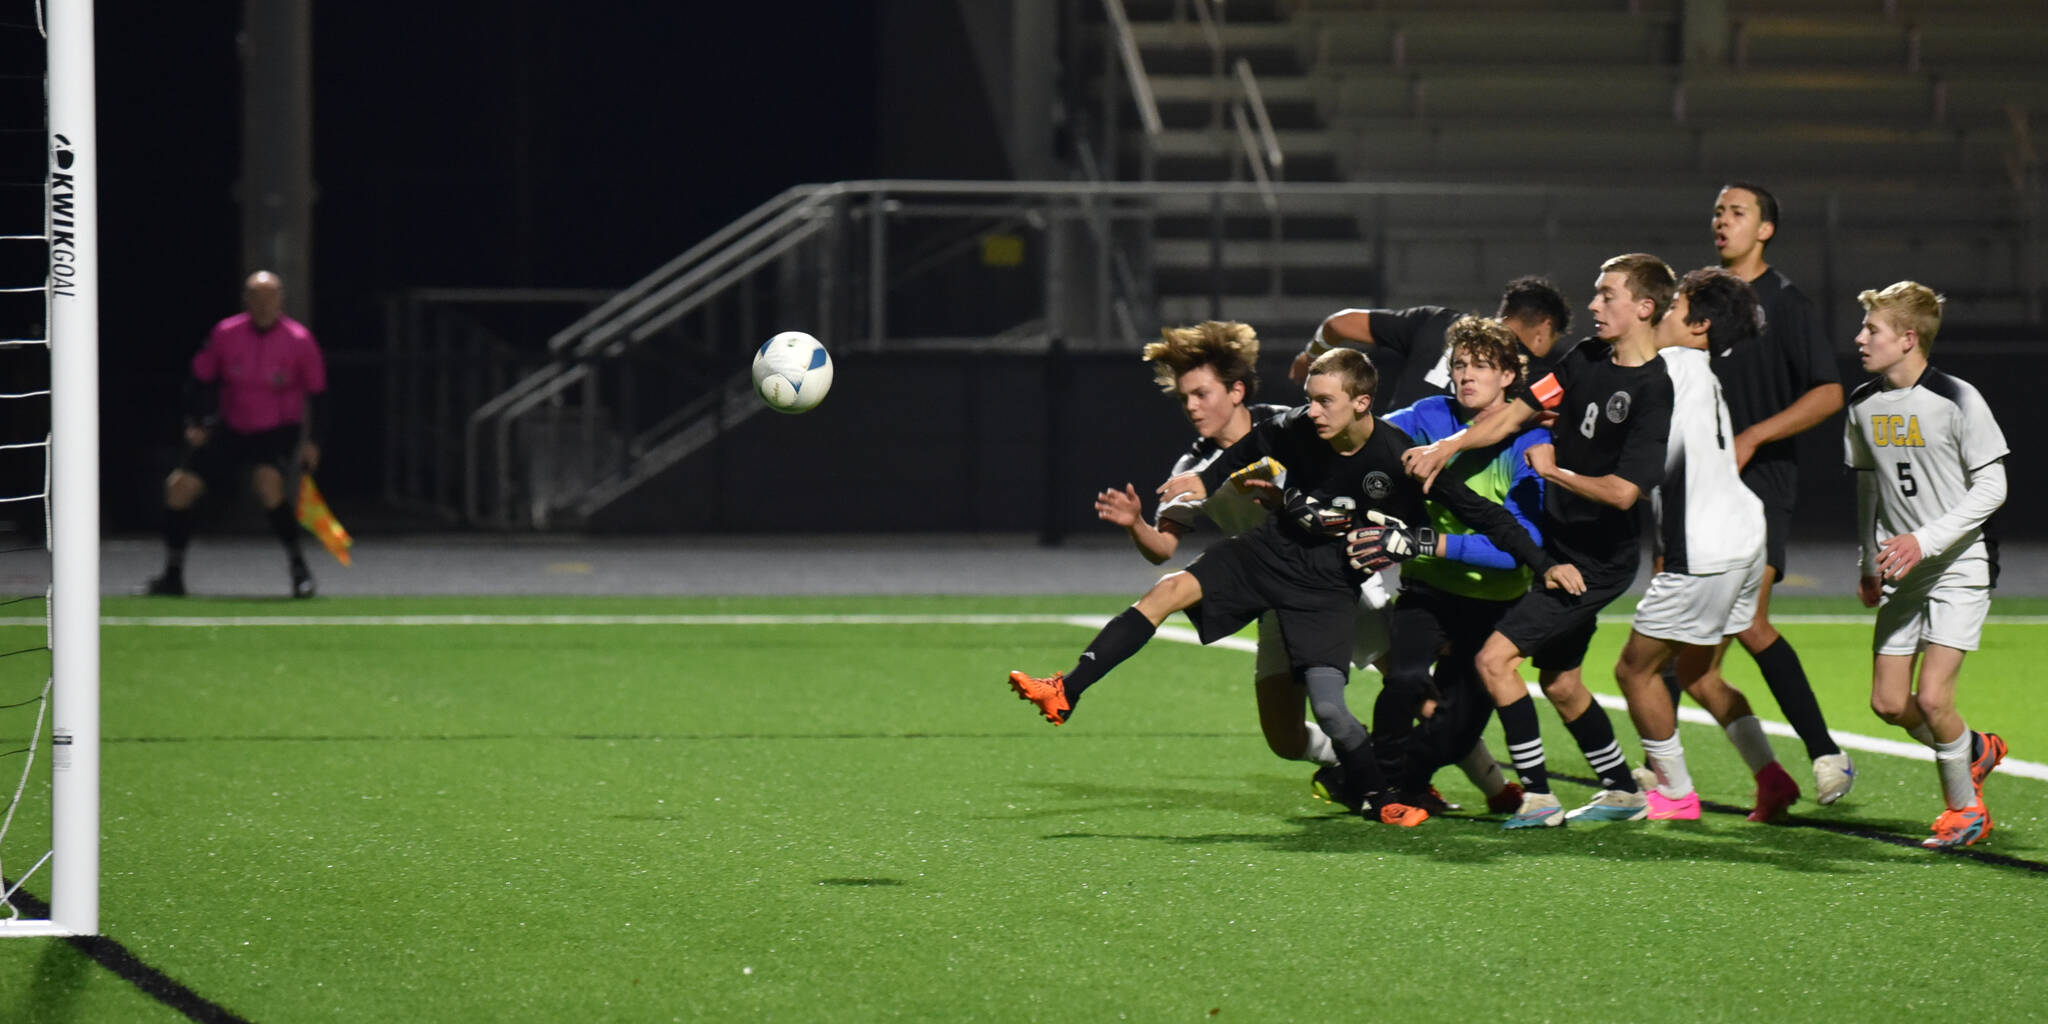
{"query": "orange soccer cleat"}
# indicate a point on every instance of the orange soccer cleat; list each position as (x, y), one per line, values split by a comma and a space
(1049, 694)
(1959, 828)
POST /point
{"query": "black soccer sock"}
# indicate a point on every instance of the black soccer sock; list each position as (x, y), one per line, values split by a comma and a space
(1786, 677)
(1119, 639)
(286, 526)
(177, 537)
(1603, 752)
(1525, 744)
(1671, 683)
(1362, 776)
(1393, 715)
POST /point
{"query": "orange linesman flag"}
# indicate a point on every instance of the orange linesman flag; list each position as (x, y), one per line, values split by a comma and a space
(319, 520)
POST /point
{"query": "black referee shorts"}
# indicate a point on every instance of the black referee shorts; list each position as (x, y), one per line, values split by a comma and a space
(1240, 581)
(1778, 488)
(227, 452)
(1554, 628)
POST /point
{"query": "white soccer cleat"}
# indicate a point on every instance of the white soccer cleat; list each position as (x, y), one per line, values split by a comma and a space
(1833, 776)
(1612, 805)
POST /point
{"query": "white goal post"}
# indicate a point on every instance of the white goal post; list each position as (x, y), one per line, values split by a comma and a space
(71, 294)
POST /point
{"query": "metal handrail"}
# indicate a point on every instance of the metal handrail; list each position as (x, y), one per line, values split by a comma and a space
(1263, 119)
(1134, 68)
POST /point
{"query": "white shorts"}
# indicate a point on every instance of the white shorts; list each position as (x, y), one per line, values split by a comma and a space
(1946, 605)
(1700, 610)
(1369, 638)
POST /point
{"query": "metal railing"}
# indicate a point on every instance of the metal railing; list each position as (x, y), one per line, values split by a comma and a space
(655, 374)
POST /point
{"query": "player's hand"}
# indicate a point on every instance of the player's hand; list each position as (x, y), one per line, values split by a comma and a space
(1120, 507)
(1565, 577)
(1896, 556)
(309, 456)
(1424, 462)
(1297, 371)
(1542, 458)
(195, 435)
(1869, 589)
(1745, 449)
(1547, 419)
(1265, 492)
(1315, 515)
(1373, 548)
(1185, 487)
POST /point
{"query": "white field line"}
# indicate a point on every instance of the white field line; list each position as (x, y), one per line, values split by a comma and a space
(912, 619)
(1175, 634)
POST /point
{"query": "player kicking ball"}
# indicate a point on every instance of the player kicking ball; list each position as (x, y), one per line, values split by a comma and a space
(1711, 539)
(1305, 564)
(1930, 470)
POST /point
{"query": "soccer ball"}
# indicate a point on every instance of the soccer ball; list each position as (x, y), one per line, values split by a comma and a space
(792, 372)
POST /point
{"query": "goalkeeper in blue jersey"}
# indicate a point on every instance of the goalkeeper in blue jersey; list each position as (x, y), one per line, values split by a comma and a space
(1451, 598)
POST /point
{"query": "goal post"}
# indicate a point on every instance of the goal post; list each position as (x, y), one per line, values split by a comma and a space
(71, 294)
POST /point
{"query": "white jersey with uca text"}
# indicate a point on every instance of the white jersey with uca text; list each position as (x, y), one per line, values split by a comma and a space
(1922, 443)
(1707, 520)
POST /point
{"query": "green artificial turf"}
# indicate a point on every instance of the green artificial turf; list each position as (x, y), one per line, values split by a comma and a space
(814, 821)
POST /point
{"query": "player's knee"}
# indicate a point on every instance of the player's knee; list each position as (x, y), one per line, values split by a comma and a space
(1890, 709)
(182, 488)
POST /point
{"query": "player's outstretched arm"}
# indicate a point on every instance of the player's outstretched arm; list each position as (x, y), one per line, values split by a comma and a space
(1805, 413)
(1424, 462)
(1122, 508)
(1491, 519)
(1352, 325)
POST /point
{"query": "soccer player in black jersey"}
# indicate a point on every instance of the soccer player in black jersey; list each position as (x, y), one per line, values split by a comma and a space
(1530, 307)
(1211, 368)
(1305, 563)
(1782, 384)
(1612, 397)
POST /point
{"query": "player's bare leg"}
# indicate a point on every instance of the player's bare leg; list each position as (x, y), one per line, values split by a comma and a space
(1668, 787)
(1962, 756)
(1057, 694)
(1281, 702)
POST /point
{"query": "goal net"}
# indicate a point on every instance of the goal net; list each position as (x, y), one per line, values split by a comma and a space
(49, 473)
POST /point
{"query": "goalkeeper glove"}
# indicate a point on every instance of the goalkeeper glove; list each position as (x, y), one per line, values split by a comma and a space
(1314, 516)
(1373, 548)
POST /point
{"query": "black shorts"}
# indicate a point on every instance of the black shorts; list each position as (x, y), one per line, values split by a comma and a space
(1554, 628)
(1777, 487)
(1424, 622)
(226, 453)
(1242, 578)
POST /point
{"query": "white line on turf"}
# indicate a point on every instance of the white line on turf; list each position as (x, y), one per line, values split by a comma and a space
(1176, 634)
(1092, 621)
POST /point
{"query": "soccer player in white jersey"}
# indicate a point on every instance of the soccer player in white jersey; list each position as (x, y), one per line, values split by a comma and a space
(1212, 368)
(1930, 470)
(1710, 539)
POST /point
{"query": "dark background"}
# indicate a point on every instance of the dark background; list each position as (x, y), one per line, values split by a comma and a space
(475, 144)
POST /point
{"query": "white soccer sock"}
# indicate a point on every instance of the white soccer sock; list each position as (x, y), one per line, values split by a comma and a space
(1483, 770)
(1925, 734)
(1747, 733)
(1667, 756)
(1953, 761)
(1319, 749)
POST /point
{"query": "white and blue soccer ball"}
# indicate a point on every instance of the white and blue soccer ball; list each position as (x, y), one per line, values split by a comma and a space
(792, 372)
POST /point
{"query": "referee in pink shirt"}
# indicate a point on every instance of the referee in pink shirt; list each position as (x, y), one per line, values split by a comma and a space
(253, 403)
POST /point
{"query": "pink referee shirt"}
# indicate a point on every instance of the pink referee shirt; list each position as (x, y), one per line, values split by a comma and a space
(264, 376)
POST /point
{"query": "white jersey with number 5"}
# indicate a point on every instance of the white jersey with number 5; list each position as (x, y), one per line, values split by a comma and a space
(1922, 442)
